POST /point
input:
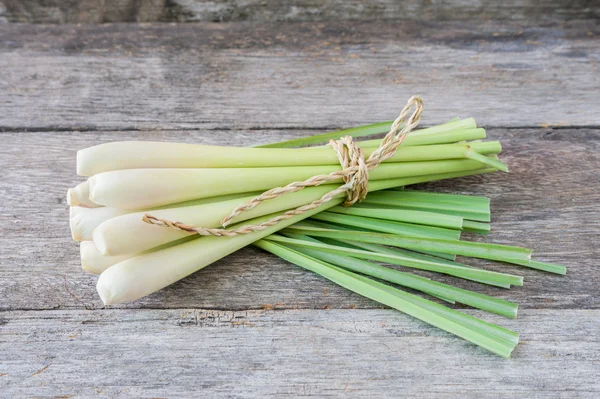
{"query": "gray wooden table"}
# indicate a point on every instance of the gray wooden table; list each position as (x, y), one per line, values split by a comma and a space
(252, 325)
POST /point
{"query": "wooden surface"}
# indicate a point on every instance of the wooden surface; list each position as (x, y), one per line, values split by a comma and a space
(253, 325)
(102, 11)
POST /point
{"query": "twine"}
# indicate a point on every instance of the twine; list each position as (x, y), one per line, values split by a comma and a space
(354, 173)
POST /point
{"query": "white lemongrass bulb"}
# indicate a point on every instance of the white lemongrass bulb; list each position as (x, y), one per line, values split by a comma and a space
(93, 261)
(147, 188)
(142, 275)
(83, 221)
(148, 154)
(80, 196)
(130, 234)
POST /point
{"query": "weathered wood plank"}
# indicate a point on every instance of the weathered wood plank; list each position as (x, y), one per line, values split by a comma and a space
(301, 75)
(99, 11)
(340, 353)
(548, 202)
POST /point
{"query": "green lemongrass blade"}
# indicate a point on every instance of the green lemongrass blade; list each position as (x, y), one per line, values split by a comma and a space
(440, 290)
(433, 288)
(453, 270)
(368, 130)
(389, 227)
(424, 284)
(384, 226)
(359, 131)
(501, 335)
(449, 137)
(406, 181)
(480, 211)
(372, 291)
(434, 208)
(354, 264)
(475, 200)
(532, 264)
(487, 161)
(397, 251)
(350, 259)
(464, 248)
(405, 216)
(476, 227)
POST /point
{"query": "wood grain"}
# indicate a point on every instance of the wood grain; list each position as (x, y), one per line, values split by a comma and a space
(534, 85)
(295, 75)
(336, 353)
(548, 202)
(101, 11)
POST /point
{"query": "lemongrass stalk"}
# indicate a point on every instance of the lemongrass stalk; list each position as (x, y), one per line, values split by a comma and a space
(83, 221)
(464, 248)
(80, 196)
(453, 136)
(476, 300)
(384, 226)
(352, 223)
(493, 163)
(129, 234)
(466, 273)
(147, 188)
(148, 154)
(368, 130)
(532, 264)
(142, 275)
(406, 216)
(395, 199)
(476, 227)
(92, 261)
(392, 251)
(359, 131)
(374, 291)
(460, 199)
(398, 251)
(413, 281)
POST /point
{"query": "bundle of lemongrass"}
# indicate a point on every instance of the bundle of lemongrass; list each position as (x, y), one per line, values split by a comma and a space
(200, 185)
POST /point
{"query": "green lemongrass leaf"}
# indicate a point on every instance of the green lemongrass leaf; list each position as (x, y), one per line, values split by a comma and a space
(347, 222)
(406, 216)
(501, 335)
(384, 226)
(406, 181)
(434, 208)
(384, 296)
(475, 200)
(397, 251)
(359, 131)
(393, 251)
(395, 199)
(532, 264)
(368, 130)
(475, 156)
(448, 137)
(476, 227)
(464, 248)
(438, 267)
(440, 290)
(364, 267)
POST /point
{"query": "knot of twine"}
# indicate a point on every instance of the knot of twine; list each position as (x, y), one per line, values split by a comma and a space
(354, 173)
